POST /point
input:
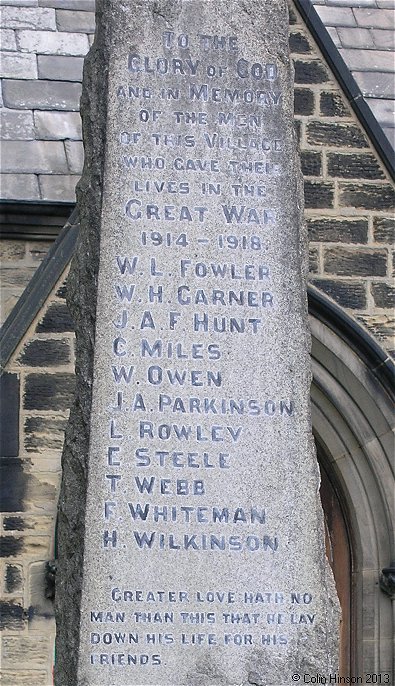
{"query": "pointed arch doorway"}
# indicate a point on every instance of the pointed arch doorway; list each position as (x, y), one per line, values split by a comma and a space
(352, 398)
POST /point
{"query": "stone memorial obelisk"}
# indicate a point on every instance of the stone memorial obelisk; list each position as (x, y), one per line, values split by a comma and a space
(190, 528)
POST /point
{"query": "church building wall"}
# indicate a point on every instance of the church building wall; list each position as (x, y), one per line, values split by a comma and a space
(349, 202)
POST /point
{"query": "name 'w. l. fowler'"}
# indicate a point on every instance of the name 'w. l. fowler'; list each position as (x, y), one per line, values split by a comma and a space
(190, 483)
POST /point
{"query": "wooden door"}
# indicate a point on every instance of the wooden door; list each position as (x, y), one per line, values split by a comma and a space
(338, 551)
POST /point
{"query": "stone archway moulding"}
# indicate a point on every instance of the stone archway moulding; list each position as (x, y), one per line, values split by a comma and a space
(352, 416)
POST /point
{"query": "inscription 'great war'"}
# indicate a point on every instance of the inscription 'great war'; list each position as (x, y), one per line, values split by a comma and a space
(203, 556)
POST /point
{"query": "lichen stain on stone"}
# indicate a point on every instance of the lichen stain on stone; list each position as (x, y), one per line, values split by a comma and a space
(13, 578)
(11, 546)
(13, 484)
(12, 616)
(14, 524)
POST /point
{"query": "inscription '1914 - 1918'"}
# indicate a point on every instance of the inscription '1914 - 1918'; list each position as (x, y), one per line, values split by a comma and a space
(201, 435)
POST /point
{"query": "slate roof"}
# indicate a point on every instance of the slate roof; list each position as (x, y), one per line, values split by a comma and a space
(364, 33)
(43, 43)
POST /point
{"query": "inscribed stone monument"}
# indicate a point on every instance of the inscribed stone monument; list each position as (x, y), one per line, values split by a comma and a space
(202, 535)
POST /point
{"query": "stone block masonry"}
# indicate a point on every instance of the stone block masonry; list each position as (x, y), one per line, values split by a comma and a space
(43, 45)
(334, 147)
(18, 260)
(367, 297)
(43, 368)
(349, 197)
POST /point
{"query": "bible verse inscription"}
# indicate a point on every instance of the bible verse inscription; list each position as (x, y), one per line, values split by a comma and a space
(200, 166)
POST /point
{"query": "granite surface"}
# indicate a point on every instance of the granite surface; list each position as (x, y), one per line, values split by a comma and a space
(203, 551)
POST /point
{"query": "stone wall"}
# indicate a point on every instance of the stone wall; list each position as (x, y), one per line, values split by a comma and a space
(349, 198)
(43, 44)
(36, 394)
(19, 260)
(349, 212)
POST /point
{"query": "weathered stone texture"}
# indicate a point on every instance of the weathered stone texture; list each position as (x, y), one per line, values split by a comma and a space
(348, 262)
(37, 523)
(365, 196)
(335, 134)
(28, 653)
(383, 295)
(319, 194)
(11, 278)
(13, 579)
(24, 546)
(44, 433)
(333, 105)
(354, 166)
(40, 353)
(310, 72)
(191, 666)
(12, 250)
(303, 101)
(313, 260)
(12, 616)
(48, 391)
(338, 230)
(25, 677)
(311, 163)
(347, 226)
(36, 250)
(384, 229)
(381, 325)
(349, 294)
(56, 319)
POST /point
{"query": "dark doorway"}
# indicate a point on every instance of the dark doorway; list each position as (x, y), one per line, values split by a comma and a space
(338, 551)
